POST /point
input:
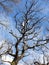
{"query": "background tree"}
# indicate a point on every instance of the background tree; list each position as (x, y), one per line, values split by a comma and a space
(28, 22)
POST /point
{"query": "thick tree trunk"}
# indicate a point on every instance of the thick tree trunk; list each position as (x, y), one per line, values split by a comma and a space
(14, 62)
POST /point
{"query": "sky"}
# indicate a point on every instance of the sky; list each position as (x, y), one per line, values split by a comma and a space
(9, 23)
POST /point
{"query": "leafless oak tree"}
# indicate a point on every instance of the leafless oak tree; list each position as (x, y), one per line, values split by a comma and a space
(29, 26)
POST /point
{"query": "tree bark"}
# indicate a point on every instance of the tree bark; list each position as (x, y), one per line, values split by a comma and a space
(14, 62)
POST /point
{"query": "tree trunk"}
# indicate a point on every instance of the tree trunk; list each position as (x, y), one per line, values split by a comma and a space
(14, 62)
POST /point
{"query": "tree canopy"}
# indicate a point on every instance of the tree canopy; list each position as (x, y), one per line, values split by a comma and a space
(24, 30)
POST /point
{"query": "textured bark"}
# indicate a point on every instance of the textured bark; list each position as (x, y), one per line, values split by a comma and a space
(14, 62)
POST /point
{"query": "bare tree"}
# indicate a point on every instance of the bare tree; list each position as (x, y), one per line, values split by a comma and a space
(29, 26)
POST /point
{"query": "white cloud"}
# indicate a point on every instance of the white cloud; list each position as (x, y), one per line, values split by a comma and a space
(20, 64)
(7, 58)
